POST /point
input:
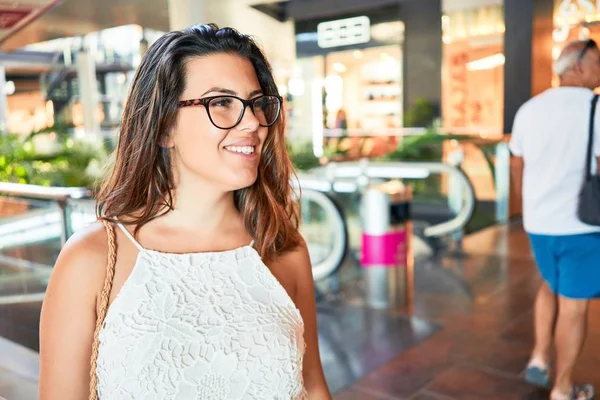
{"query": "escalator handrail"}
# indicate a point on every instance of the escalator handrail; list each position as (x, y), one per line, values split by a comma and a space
(398, 170)
(337, 221)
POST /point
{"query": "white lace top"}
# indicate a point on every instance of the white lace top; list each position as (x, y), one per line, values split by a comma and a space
(205, 326)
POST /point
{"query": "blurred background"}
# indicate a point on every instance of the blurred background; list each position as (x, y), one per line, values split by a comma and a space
(419, 92)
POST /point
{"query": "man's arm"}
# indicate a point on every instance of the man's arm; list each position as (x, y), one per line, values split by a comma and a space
(517, 165)
(520, 129)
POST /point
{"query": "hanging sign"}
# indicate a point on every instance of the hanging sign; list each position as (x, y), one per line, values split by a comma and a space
(344, 32)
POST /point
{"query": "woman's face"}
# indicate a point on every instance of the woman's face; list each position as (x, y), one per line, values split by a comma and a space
(226, 159)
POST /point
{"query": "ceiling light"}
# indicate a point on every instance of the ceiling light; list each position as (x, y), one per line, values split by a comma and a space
(489, 62)
(339, 67)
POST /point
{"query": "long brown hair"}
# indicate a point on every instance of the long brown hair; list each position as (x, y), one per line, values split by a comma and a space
(140, 186)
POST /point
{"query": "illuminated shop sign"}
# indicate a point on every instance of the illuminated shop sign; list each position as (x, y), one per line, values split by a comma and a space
(570, 13)
(344, 32)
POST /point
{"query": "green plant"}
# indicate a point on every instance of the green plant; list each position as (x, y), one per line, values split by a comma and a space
(338, 147)
(302, 155)
(421, 114)
(51, 157)
(425, 147)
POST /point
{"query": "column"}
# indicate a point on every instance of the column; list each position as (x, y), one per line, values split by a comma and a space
(422, 52)
(527, 72)
(528, 52)
(88, 91)
(184, 13)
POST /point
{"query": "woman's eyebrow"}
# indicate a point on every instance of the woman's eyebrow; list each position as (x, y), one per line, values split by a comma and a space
(220, 90)
(229, 91)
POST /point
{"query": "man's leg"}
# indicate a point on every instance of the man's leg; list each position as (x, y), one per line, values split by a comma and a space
(545, 318)
(545, 309)
(570, 334)
(579, 280)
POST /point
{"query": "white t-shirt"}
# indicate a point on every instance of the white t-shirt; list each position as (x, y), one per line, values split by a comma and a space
(550, 132)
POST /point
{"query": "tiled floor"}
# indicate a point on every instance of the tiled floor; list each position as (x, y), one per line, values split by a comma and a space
(15, 387)
(486, 337)
(355, 340)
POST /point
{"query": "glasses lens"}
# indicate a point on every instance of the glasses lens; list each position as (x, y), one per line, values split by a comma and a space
(266, 109)
(225, 111)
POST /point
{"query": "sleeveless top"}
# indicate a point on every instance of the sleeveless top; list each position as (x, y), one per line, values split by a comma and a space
(209, 326)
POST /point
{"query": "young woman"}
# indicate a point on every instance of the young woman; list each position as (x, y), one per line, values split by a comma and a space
(207, 281)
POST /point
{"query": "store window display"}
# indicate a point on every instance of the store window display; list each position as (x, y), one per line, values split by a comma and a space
(349, 97)
(367, 88)
(473, 70)
(473, 88)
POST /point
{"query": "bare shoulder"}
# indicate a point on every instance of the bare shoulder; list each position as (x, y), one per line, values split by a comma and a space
(84, 256)
(90, 243)
(78, 275)
(296, 262)
(68, 314)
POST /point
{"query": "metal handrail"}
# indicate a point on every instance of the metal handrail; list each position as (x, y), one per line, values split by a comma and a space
(363, 171)
(61, 195)
(44, 192)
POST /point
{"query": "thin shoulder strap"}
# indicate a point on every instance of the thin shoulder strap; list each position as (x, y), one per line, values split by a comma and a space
(103, 306)
(130, 236)
(251, 243)
(590, 145)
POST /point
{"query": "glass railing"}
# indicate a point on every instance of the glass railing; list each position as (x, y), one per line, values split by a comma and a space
(30, 239)
(35, 221)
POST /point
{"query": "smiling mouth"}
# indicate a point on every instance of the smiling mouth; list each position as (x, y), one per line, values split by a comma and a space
(247, 150)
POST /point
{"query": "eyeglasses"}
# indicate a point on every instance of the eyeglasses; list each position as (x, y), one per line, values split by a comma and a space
(590, 44)
(226, 112)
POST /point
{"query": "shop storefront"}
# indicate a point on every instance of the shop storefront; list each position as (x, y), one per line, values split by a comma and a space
(358, 73)
(348, 75)
(473, 87)
(473, 71)
(361, 85)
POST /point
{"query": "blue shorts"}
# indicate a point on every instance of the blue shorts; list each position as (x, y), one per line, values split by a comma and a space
(570, 264)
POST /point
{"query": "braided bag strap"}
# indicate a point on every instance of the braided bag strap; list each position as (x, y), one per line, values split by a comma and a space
(104, 297)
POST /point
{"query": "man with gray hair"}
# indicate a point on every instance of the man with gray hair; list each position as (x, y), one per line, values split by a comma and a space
(549, 142)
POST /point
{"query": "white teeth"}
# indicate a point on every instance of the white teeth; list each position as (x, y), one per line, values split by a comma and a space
(241, 149)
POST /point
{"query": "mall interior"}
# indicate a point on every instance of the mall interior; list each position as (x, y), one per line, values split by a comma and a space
(410, 97)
